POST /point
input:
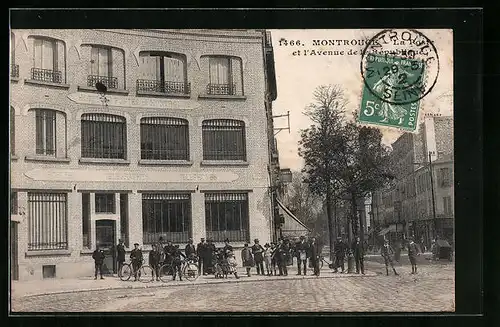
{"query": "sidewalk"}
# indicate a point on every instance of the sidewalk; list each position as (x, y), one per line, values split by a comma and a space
(85, 284)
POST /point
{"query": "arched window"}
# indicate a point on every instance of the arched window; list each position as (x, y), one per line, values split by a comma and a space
(225, 75)
(103, 136)
(49, 61)
(224, 139)
(106, 65)
(164, 138)
(163, 72)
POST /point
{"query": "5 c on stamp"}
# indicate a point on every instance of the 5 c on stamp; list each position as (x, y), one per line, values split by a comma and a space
(398, 70)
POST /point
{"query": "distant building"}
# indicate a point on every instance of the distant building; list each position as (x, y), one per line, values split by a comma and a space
(405, 208)
(179, 147)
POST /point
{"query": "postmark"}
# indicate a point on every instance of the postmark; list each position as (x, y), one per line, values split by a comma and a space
(399, 68)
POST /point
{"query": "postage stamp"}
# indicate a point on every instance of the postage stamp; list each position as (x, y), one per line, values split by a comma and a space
(399, 68)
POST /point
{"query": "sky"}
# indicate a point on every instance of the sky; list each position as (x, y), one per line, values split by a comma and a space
(297, 76)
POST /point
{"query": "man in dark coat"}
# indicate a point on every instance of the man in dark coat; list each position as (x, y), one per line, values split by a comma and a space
(98, 257)
(258, 251)
(359, 252)
(136, 258)
(120, 256)
(201, 251)
(154, 261)
(314, 252)
(168, 250)
(211, 249)
(190, 249)
(301, 251)
(283, 254)
(412, 255)
(340, 252)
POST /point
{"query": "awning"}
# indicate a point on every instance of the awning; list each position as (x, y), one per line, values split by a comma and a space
(391, 229)
(291, 218)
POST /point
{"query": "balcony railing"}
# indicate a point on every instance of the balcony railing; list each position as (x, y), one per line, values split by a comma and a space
(46, 75)
(221, 89)
(14, 70)
(110, 82)
(167, 87)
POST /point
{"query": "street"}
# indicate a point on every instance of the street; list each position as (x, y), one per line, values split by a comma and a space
(432, 289)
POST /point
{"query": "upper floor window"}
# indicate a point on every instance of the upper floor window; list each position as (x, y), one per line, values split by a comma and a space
(14, 68)
(163, 72)
(164, 138)
(444, 177)
(224, 139)
(224, 75)
(106, 65)
(48, 60)
(103, 136)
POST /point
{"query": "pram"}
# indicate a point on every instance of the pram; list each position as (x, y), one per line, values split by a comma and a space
(225, 266)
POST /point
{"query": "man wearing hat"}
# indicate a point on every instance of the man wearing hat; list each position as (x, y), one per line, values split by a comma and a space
(190, 249)
(120, 256)
(136, 258)
(201, 251)
(98, 257)
(301, 249)
(340, 252)
(412, 255)
(258, 251)
(359, 252)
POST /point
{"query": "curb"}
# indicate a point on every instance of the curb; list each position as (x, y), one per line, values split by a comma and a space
(197, 283)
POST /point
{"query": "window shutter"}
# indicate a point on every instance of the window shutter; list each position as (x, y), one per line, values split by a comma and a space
(47, 55)
(103, 62)
(117, 60)
(61, 59)
(94, 61)
(174, 70)
(237, 75)
(150, 67)
(37, 53)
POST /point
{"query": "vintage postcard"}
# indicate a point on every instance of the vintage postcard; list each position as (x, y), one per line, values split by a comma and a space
(312, 169)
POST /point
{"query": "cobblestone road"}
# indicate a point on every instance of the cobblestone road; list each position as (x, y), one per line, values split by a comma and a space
(431, 290)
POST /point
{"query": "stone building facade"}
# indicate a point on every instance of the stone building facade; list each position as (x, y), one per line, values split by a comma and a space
(177, 146)
(406, 208)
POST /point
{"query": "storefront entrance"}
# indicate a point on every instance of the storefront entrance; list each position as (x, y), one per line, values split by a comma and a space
(105, 231)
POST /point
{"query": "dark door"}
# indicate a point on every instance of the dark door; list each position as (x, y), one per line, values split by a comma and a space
(14, 262)
(105, 237)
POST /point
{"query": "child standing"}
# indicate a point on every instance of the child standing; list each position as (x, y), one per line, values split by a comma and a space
(247, 258)
(268, 258)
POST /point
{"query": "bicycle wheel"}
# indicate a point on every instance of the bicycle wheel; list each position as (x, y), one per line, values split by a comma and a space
(166, 272)
(145, 274)
(190, 271)
(126, 272)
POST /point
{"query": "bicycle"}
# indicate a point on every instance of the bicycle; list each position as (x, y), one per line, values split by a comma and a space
(189, 270)
(144, 274)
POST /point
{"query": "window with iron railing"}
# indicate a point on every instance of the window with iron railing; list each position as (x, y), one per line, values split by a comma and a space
(226, 216)
(47, 221)
(45, 129)
(13, 203)
(164, 138)
(224, 139)
(48, 60)
(162, 72)
(14, 70)
(167, 216)
(103, 136)
(223, 74)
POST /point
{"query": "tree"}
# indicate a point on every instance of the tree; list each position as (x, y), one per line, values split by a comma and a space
(342, 159)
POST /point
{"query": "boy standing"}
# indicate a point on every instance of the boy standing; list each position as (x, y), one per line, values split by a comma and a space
(412, 255)
(136, 258)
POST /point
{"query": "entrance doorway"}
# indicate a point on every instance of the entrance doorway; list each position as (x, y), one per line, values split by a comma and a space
(105, 231)
(14, 260)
